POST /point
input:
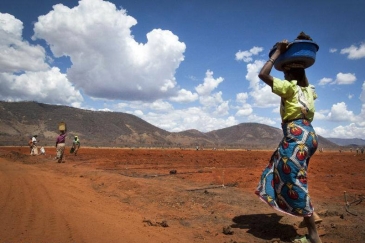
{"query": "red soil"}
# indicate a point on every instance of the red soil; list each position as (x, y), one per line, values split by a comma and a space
(168, 195)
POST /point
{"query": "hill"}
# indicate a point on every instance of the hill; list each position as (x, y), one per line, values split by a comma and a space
(354, 142)
(20, 120)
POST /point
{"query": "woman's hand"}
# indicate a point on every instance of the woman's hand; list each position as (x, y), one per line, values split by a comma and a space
(264, 74)
(282, 46)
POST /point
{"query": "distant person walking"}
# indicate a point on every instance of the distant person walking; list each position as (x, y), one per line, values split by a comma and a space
(43, 151)
(283, 183)
(75, 145)
(33, 145)
(60, 146)
(362, 150)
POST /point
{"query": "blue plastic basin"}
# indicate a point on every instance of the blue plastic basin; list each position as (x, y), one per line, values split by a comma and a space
(299, 51)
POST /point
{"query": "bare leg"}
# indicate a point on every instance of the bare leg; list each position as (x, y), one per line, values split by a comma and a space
(317, 219)
(312, 229)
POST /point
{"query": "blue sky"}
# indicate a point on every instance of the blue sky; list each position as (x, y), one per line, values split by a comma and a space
(182, 65)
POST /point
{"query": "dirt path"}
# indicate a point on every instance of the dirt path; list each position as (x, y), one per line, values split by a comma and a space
(43, 206)
(106, 195)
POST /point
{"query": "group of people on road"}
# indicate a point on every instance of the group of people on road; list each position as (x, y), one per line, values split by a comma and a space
(60, 146)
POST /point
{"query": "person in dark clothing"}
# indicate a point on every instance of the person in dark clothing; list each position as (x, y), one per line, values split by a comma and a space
(60, 146)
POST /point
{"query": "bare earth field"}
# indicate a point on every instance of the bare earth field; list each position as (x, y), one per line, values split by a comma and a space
(168, 195)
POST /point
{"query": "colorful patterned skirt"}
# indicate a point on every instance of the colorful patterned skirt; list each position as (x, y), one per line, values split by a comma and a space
(283, 184)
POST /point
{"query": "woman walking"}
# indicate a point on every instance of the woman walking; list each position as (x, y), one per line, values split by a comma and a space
(60, 146)
(283, 184)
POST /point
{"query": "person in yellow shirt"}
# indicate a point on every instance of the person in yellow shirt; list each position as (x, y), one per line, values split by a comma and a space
(75, 145)
(283, 184)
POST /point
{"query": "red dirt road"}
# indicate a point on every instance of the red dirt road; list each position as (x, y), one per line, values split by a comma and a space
(134, 195)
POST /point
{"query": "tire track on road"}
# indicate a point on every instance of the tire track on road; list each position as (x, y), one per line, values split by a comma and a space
(29, 210)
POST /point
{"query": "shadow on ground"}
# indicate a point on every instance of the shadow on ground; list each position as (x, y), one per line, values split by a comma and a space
(265, 226)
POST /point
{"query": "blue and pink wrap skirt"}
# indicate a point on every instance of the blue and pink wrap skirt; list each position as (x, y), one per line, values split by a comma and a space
(283, 183)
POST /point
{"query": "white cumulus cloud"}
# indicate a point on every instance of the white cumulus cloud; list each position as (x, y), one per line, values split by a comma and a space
(354, 52)
(345, 78)
(185, 96)
(107, 62)
(350, 131)
(244, 110)
(339, 112)
(49, 86)
(17, 55)
(246, 56)
(209, 84)
(325, 81)
(241, 97)
(24, 73)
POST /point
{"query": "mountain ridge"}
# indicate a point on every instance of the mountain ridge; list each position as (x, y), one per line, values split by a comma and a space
(348, 141)
(21, 120)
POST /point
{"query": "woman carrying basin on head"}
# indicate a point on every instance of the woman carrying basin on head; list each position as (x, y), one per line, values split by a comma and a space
(283, 183)
(61, 142)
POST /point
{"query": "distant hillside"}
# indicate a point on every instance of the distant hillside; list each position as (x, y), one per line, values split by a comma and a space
(251, 134)
(256, 135)
(348, 142)
(20, 120)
